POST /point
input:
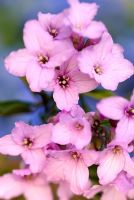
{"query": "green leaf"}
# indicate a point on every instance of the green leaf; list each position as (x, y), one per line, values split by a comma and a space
(14, 107)
(100, 94)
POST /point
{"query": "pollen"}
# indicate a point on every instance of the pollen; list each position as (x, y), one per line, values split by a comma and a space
(63, 81)
(27, 142)
(43, 59)
(75, 155)
(79, 126)
(98, 70)
(130, 111)
(117, 150)
(53, 32)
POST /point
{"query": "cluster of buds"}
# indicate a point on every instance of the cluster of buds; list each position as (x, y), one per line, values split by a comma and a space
(68, 54)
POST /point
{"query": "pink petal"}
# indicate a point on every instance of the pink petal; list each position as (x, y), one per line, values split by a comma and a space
(64, 192)
(121, 68)
(80, 138)
(34, 158)
(34, 36)
(66, 99)
(21, 131)
(45, 19)
(90, 157)
(78, 176)
(84, 82)
(22, 172)
(110, 166)
(54, 167)
(108, 81)
(113, 194)
(112, 107)
(46, 78)
(85, 64)
(10, 187)
(104, 46)
(61, 134)
(42, 135)
(124, 129)
(38, 192)
(33, 76)
(94, 30)
(9, 147)
(92, 191)
(81, 14)
(17, 62)
(129, 165)
(61, 52)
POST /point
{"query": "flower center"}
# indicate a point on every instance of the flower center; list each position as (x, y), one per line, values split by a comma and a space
(63, 81)
(53, 32)
(117, 149)
(130, 111)
(75, 155)
(27, 142)
(98, 70)
(43, 59)
(79, 126)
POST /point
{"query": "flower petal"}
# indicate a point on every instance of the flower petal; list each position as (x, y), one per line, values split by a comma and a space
(110, 166)
(36, 192)
(34, 158)
(112, 107)
(61, 134)
(9, 147)
(83, 82)
(10, 187)
(17, 62)
(42, 135)
(124, 130)
(34, 36)
(95, 30)
(33, 76)
(66, 99)
(113, 194)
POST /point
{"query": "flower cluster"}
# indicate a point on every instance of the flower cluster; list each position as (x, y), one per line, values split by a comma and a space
(68, 54)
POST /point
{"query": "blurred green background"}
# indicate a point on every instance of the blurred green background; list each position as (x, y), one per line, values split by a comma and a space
(118, 15)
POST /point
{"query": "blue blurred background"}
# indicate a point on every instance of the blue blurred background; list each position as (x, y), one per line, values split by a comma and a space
(117, 15)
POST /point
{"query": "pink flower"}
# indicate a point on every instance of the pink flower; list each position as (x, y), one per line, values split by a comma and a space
(68, 83)
(75, 130)
(64, 192)
(38, 61)
(71, 166)
(118, 189)
(28, 142)
(105, 63)
(54, 25)
(79, 17)
(119, 108)
(31, 186)
(114, 160)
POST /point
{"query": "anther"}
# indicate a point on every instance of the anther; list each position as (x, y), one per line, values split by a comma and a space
(43, 59)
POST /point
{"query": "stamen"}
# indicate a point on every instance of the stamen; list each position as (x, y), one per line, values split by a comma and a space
(63, 81)
(27, 142)
(75, 155)
(98, 70)
(79, 126)
(130, 111)
(43, 59)
(53, 32)
(117, 149)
